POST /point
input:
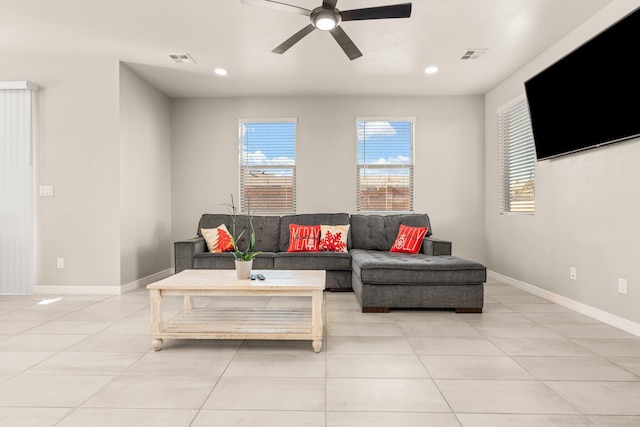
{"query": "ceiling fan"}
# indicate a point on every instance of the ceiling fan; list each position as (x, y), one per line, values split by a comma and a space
(327, 18)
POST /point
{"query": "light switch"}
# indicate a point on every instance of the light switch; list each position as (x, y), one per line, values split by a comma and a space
(46, 190)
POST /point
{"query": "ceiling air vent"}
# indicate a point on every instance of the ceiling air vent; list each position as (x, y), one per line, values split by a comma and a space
(473, 53)
(181, 58)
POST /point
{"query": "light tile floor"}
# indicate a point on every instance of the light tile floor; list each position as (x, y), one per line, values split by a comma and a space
(87, 361)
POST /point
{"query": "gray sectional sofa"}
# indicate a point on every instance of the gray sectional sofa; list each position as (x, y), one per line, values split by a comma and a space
(380, 279)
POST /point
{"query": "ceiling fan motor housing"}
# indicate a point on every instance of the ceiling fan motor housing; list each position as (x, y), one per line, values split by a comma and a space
(325, 19)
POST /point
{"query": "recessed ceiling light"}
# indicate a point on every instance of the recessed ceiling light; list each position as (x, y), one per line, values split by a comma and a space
(431, 70)
(221, 71)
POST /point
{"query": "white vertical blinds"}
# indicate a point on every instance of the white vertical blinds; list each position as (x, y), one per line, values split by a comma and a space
(517, 159)
(17, 238)
(268, 165)
(385, 164)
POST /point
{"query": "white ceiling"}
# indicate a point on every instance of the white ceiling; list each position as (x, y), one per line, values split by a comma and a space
(239, 37)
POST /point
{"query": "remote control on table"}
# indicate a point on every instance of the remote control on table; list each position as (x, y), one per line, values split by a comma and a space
(261, 276)
(253, 276)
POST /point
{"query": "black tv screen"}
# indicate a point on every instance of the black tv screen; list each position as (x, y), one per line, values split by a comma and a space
(591, 97)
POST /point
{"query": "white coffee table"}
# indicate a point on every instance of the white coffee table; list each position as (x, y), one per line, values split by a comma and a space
(274, 323)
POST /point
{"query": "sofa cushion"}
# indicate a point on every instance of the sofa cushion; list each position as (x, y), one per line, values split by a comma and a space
(208, 221)
(378, 232)
(333, 238)
(312, 261)
(267, 229)
(303, 238)
(377, 267)
(310, 219)
(218, 239)
(409, 239)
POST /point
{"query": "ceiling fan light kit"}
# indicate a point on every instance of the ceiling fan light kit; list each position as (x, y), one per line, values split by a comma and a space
(328, 18)
(324, 19)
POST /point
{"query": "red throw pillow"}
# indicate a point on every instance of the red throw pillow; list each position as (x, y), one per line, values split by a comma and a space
(303, 238)
(409, 239)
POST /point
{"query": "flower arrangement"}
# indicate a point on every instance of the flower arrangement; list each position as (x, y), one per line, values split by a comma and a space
(249, 253)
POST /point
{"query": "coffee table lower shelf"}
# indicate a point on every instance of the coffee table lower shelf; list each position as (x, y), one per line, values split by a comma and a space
(240, 323)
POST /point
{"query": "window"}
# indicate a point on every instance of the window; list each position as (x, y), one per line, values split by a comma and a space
(268, 165)
(385, 164)
(517, 159)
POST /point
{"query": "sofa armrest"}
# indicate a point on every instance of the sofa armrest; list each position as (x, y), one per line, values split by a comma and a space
(436, 247)
(185, 250)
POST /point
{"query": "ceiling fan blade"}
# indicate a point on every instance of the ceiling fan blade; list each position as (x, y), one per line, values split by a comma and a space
(282, 48)
(346, 43)
(381, 12)
(279, 6)
(329, 4)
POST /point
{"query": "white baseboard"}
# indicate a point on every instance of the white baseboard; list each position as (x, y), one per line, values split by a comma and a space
(595, 313)
(141, 283)
(104, 290)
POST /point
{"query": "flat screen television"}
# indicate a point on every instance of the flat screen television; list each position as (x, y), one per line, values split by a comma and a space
(591, 97)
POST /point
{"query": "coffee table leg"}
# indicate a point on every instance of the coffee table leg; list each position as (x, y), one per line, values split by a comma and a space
(317, 299)
(156, 316)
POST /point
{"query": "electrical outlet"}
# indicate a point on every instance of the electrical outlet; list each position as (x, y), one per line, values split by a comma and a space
(60, 262)
(573, 273)
(622, 286)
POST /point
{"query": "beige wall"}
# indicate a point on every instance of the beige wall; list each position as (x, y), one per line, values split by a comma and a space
(101, 154)
(145, 179)
(76, 152)
(586, 205)
(449, 167)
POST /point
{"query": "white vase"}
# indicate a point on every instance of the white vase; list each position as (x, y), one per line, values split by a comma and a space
(243, 269)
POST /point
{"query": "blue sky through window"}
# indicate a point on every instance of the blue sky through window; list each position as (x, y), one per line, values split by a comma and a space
(379, 143)
(268, 143)
(384, 142)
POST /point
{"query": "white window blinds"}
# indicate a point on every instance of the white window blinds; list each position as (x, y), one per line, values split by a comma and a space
(385, 164)
(268, 166)
(517, 159)
(17, 235)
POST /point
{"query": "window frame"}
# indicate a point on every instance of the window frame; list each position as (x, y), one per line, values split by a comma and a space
(516, 157)
(410, 166)
(244, 165)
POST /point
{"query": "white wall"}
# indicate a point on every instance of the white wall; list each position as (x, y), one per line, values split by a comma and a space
(587, 205)
(145, 178)
(449, 169)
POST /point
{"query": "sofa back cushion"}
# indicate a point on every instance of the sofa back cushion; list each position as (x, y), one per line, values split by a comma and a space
(378, 232)
(310, 219)
(267, 229)
(213, 221)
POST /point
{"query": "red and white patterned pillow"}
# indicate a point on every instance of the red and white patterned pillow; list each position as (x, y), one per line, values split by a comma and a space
(333, 238)
(409, 239)
(303, 238)
(218, 239)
